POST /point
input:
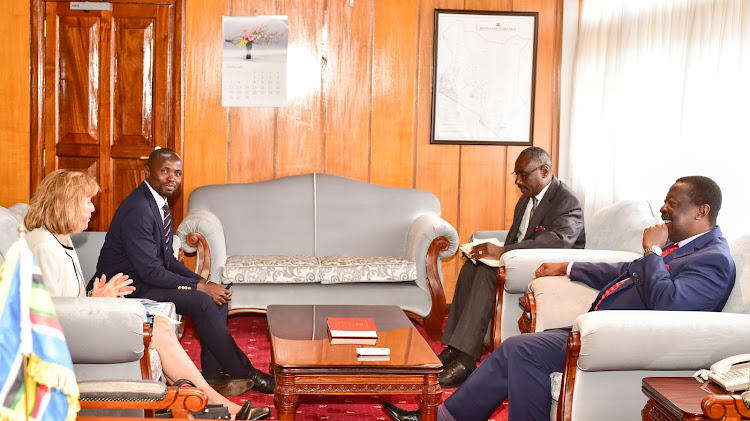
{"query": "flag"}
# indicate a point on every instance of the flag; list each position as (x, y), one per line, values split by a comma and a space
(36, 372)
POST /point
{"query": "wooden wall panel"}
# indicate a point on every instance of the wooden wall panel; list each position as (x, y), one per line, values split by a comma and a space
(300, 123)
(359, 105)
(252, 131)
(348, 89)
(437, 165)
(15, 126)
(394, 70)
(205, 122)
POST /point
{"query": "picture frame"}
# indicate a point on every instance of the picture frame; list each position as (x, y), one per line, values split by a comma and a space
(483, 77)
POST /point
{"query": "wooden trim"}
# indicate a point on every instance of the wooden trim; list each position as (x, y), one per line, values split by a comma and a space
(565, 401)
(36, 78)
(433, 323)
(497, 312)
(203, 253)
(527, 321)
(181, 400)
(146, 358)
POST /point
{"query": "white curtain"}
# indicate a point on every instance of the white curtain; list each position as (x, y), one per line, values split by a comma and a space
(661, 89)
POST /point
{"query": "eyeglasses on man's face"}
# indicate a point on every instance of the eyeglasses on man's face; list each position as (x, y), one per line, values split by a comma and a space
(525, 175)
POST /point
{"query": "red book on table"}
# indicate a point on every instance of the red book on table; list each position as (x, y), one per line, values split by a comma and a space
(352, 327)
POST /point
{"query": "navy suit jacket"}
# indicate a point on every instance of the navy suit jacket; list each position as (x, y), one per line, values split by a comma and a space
(136, 246)
(556, 223)
(698, 276)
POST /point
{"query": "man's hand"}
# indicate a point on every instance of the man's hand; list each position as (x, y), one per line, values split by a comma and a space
(486, 251)
(551, 269)
(220, 294)
(655, 236)
(118, 286)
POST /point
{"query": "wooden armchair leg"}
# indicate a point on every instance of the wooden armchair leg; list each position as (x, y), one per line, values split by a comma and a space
(565, 401)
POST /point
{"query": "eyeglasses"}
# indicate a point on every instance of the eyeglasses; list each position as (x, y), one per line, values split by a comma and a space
(525, 175)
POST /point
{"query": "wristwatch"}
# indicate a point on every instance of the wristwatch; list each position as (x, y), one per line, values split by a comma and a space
(653, 249)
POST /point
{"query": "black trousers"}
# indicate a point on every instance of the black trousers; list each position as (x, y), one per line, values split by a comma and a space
(471, 309)
(218, 348)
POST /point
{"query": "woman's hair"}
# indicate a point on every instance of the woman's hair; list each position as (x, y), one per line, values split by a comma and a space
(58, 201)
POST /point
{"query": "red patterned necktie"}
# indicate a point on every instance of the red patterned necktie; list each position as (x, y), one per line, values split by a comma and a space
(167, 225)
(612, 289)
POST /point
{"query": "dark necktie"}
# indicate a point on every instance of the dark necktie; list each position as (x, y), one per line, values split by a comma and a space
(534, 202)
(612, 289)
(167, 225)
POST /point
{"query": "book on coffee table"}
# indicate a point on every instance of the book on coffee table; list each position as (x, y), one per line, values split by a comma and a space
(352, 330)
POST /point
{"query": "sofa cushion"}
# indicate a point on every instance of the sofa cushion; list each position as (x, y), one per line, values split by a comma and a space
(341, 269)
(293, 269)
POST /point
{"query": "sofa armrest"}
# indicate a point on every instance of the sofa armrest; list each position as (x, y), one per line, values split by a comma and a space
(659, 340)
(102, 330)
(431, 239)
(520, 264)
(558, 301)
(213, 247)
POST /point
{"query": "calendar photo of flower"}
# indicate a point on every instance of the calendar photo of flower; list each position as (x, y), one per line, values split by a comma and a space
(254, 61)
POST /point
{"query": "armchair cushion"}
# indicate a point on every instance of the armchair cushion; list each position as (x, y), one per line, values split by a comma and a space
(341, 269)
(561, 299)
(290, 269)
(620, 340)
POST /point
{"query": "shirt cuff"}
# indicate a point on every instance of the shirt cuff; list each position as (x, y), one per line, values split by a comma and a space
(570, 266)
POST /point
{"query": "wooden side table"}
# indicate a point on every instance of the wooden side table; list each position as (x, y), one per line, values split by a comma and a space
(685, 398)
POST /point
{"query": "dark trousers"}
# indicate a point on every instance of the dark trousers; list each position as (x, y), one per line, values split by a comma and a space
(218, 348)
(518, 370)
(471, 309)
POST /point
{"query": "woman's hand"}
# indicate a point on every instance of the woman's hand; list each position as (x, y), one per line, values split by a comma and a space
(118, 286)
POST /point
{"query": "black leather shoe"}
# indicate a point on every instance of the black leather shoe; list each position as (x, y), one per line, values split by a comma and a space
(448, 355)
(263, 382)
(400, 414)
(248, 412)
(215, 376)
(455, 373)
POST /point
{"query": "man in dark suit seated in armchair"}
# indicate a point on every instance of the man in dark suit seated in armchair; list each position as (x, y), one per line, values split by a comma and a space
(548, 215)
(139, 244)
(686, 266)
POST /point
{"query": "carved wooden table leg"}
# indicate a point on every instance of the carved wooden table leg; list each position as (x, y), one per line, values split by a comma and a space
(430, 398)
(286, 398)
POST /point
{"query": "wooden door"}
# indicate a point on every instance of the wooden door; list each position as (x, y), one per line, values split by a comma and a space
(107, 93)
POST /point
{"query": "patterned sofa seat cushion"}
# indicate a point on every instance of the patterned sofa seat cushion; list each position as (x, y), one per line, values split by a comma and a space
(291, 269)
(343, 269)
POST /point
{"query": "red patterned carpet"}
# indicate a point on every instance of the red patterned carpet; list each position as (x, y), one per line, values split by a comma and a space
(251, 334)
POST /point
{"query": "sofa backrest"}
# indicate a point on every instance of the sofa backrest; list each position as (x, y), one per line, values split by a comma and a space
(620, 226)
(314, 214)
(263, 218)
(739, 299)
(9, 222)
(360, 219)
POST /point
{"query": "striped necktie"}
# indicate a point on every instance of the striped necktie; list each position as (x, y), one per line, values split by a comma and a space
(167, 225)
(614, 287)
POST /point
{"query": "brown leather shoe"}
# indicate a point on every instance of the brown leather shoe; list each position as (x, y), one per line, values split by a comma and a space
(234, 387)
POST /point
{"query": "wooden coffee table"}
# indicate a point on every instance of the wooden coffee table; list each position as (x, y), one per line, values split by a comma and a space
(305, 363)
(684, 398)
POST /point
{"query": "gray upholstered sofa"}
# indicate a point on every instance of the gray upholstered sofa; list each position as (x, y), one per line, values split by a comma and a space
(322, 239)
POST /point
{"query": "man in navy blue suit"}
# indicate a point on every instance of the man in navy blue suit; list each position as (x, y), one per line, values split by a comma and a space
(139, 244)
(686, 266)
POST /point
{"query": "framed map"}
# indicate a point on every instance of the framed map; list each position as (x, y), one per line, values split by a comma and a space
(483, 77)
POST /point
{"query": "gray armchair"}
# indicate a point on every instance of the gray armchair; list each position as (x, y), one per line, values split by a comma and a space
(610, 352)
(613, 234)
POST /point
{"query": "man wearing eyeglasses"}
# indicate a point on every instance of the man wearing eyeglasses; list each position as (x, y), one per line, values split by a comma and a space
(548, 215)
